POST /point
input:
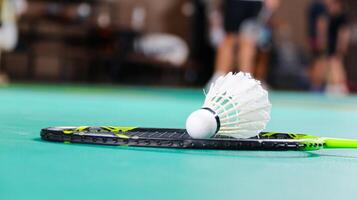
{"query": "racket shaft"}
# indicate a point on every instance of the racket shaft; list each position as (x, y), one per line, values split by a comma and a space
(334, 143)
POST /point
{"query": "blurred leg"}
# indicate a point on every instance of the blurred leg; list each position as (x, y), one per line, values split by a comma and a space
(246, 54)
(4, 79)
(318, 73)
(262, 66)
(224, 59)
(337, 73)
(336, 78)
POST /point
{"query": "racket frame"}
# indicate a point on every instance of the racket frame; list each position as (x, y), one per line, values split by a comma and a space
(161, 137)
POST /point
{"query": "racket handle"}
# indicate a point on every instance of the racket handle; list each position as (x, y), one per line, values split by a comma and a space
(339, 143)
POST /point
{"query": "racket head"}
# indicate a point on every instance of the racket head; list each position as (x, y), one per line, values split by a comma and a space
(178, 138)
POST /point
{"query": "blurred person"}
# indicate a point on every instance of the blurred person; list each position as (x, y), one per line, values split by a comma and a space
(256, 41)
(317, 33)
(9, 11)
(338, 34)
(330, 37)
(254, 14)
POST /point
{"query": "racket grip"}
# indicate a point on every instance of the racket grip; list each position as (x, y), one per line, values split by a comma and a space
(335, 143)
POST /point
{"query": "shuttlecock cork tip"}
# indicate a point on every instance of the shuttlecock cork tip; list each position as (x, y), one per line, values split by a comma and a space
(202, 124)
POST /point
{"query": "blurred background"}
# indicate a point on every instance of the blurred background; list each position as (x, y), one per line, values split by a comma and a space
(292, 45)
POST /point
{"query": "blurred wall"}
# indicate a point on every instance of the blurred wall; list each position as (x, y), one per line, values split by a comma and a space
(160, 15)
(170, 16)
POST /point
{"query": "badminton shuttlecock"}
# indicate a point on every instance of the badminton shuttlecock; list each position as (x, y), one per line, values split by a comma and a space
(236, 105)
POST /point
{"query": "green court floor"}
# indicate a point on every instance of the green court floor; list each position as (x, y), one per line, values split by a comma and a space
(34, 169)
